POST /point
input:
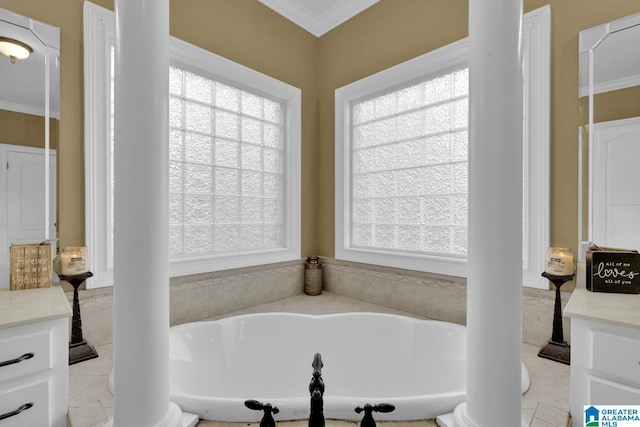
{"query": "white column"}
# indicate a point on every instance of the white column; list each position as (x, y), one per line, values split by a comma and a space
(494, 292)
(141, 276)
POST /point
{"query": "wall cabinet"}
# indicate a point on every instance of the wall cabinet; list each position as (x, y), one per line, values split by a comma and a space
(34, 358)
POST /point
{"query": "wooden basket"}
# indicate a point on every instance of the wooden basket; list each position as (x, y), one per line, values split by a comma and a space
(30, 266)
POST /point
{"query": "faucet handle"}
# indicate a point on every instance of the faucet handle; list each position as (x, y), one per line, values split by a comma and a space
(367, 419)
(384, 407)
(381, 407)
(267, 419)
(259, 406)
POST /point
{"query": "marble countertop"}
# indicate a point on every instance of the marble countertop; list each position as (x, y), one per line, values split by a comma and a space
(32, 305)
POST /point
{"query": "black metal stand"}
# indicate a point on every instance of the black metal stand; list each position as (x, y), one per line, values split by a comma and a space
(557, 349)
(79, 349)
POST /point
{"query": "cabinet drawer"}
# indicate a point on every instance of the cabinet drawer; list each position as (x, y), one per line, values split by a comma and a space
(35, 395)
(616, 356)
(23, 354)
(604, 392)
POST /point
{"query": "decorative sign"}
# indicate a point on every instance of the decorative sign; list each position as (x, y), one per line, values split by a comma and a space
(30, 266)
(613, 271)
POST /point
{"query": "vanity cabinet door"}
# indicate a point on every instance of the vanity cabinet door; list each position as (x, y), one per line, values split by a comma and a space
(616, 357)
(611, 393)
(25, 405)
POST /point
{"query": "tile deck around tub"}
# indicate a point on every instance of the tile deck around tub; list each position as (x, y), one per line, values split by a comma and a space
(545, 404)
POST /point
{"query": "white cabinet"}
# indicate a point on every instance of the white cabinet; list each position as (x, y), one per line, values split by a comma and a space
(605, 351)
(34, 358)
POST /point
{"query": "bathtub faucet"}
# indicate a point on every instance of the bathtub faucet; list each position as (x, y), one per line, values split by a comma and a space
(316, 388)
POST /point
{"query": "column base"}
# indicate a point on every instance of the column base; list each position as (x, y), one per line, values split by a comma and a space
(174, 418)
(459, 418)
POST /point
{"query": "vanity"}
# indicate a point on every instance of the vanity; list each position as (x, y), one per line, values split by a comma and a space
(34, 357)
(34, 323)
(605, 349)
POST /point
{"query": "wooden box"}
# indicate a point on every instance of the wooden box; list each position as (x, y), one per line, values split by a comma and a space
(613, 270)
(30, 266)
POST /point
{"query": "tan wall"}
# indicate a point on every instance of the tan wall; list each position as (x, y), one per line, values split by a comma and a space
(244, 31)
(393, 31)
(615, 105)
(388, 33)
(26, 129)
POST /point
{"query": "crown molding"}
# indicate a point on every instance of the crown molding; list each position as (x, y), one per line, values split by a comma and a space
(306, 14)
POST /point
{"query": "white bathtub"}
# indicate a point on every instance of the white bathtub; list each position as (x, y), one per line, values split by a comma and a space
(417, 365)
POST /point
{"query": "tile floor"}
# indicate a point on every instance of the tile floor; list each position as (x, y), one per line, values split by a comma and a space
(546, 403)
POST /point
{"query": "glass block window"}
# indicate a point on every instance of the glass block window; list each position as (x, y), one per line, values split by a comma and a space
(409, 167)
(226, 167)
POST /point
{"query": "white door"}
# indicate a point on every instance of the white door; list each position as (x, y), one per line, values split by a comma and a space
(616, 176)
(22, 200)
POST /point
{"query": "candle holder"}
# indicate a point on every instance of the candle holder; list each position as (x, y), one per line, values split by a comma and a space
(79, 349)
(557, 348)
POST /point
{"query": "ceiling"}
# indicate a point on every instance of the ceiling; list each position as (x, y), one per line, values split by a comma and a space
(22, 86)
(318, 16)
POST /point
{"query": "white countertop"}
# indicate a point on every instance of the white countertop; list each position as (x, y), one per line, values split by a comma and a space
(32, 305)
(616, 309)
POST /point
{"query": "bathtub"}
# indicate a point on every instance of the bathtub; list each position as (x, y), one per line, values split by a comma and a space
(417, 365)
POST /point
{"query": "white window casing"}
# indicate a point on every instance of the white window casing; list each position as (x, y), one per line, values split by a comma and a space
(204, 63)
(536, 69)
(537, 134)
(99, 36)
(430, 65)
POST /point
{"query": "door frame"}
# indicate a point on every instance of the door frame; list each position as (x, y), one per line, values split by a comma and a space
(4, 204)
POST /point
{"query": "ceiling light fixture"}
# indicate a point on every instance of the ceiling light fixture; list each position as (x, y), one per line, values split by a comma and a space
(14, 49)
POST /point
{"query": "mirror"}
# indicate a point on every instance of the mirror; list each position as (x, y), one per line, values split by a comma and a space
(609, 135)
(29, 123)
